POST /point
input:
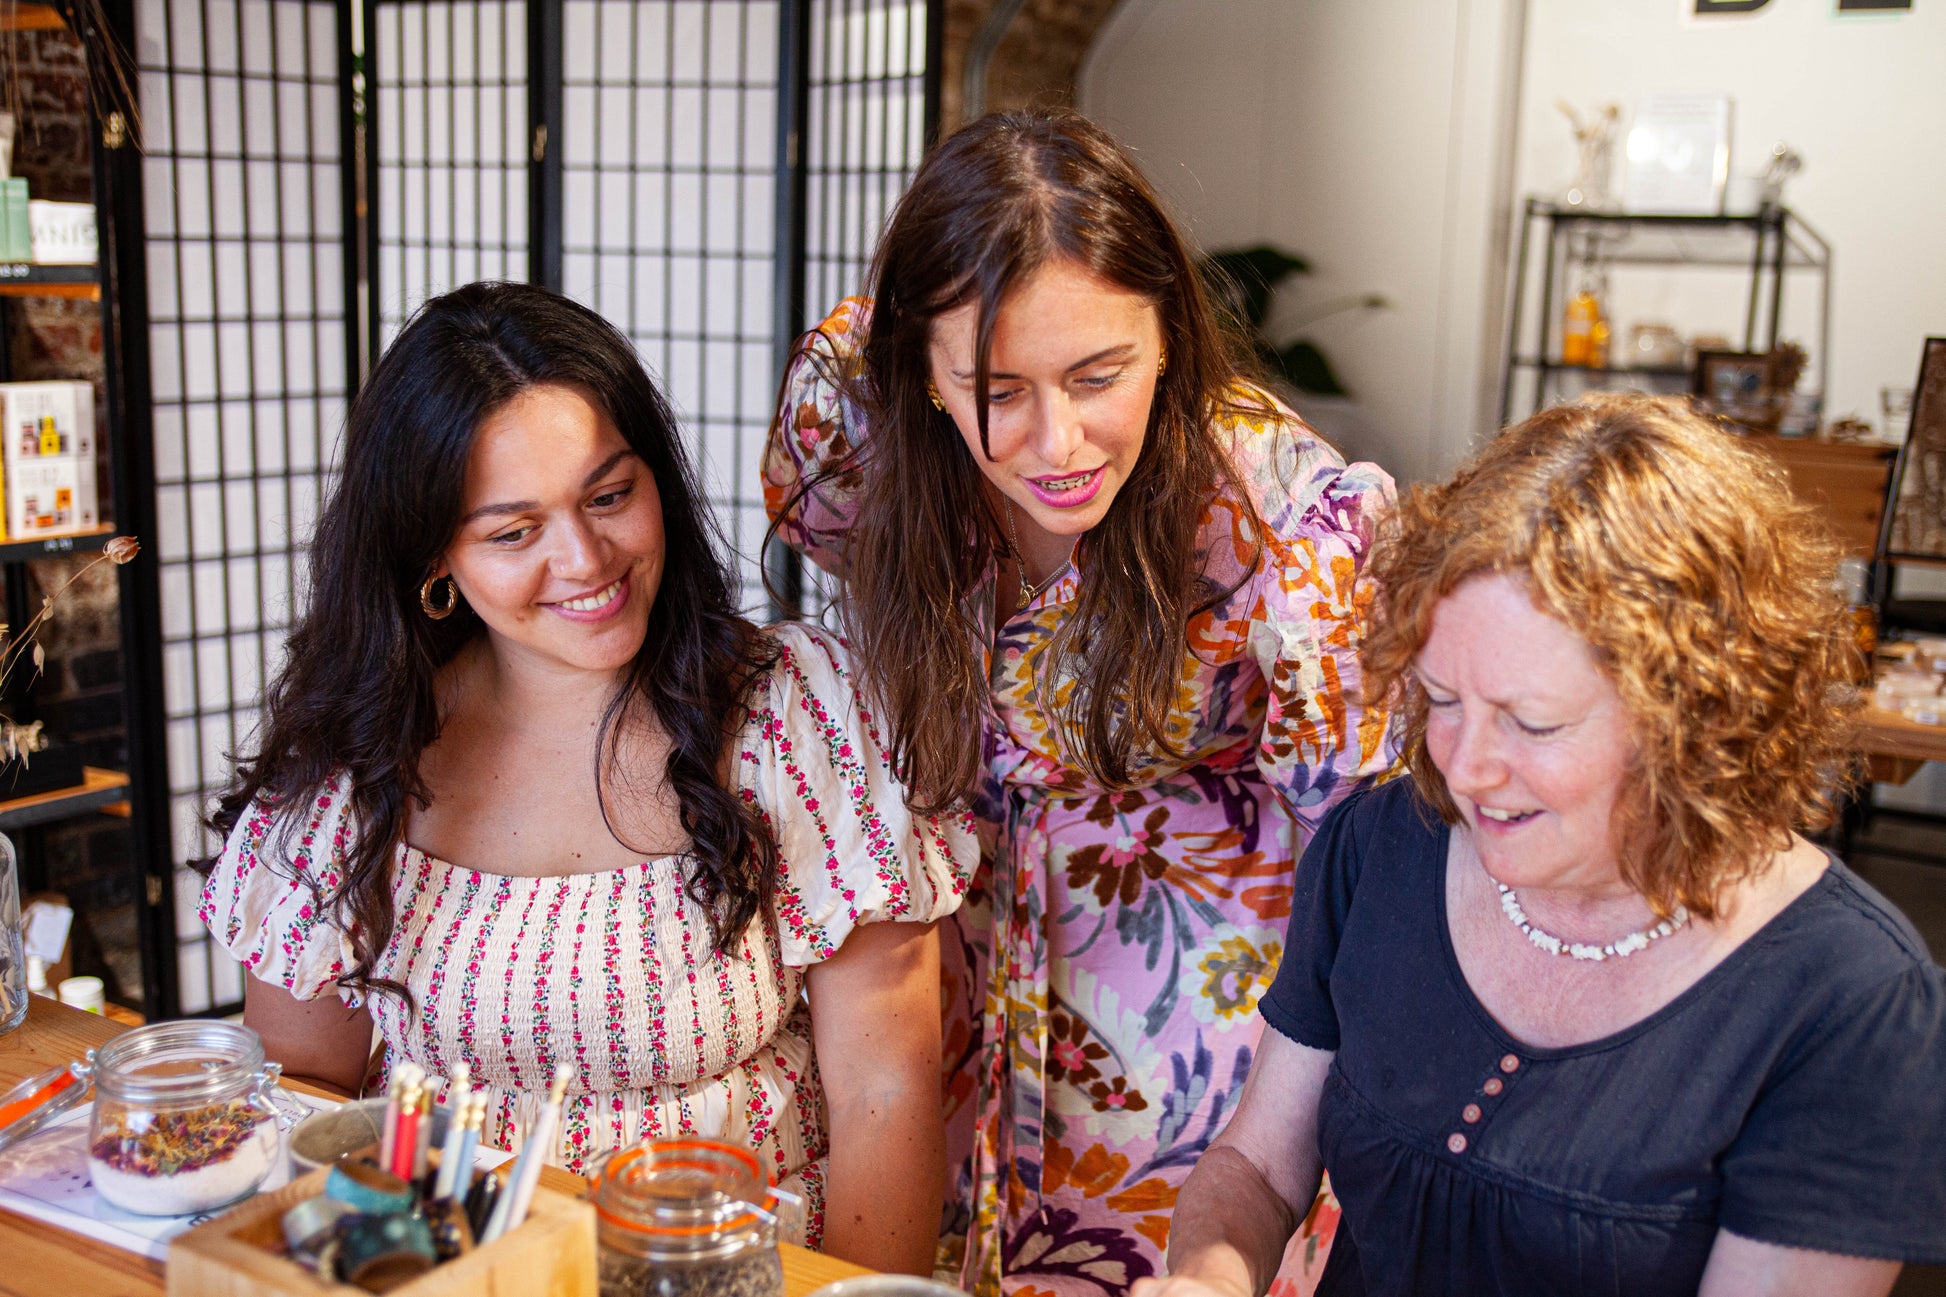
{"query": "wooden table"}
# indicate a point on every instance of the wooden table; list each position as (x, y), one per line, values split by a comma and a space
(1895, 747)
(40, 1260)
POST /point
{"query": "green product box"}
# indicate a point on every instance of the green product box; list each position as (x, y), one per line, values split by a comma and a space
(19, 242)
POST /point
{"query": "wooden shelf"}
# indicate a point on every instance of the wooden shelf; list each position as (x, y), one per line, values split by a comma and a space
(21, 17)
(30, 279)
(74, 542)
(97, 789)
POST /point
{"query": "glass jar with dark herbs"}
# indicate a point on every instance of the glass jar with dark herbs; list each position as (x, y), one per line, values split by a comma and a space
(687, 1218)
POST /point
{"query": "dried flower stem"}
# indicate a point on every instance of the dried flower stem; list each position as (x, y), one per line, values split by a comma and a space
(118, 551)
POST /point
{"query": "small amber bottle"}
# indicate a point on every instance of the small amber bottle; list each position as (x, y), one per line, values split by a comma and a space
(1584, 330)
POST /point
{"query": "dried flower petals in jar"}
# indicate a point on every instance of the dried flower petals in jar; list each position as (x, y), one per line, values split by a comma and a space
(185, 1117)
(183, 1161)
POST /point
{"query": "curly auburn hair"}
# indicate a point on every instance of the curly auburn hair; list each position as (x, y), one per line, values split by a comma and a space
(1706, 593)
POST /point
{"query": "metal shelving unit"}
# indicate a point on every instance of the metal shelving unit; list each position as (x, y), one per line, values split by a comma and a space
(1771, 246)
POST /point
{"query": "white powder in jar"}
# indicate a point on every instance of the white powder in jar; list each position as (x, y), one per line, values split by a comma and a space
(156, 1192)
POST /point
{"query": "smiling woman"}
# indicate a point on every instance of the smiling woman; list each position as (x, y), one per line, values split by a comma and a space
(531, 792)
(561, 547)
(1105, 590)
(1576, 1008)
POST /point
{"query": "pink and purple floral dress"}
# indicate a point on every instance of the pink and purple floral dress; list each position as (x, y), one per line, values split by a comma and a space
(1110, 957)
(614, 972)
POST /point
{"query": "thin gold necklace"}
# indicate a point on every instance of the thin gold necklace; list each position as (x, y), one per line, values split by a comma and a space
(1029, 593)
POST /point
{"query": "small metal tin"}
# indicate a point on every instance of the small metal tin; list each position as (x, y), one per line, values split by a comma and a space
(365, 1188)
(380, 1252)
(309, 1224)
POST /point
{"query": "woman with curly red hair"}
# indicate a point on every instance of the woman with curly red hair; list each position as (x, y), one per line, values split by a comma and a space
(1576, 1008)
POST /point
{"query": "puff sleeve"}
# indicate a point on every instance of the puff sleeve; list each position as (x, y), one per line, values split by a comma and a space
(814, 432)
(1319, 739)
(267, 900)
(849, 850)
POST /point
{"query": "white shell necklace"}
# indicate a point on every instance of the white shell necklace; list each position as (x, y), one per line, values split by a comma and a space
(1553, 945)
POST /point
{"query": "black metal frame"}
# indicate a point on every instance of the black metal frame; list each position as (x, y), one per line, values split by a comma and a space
(1781, 241)
(1928, 614)
(125, 308)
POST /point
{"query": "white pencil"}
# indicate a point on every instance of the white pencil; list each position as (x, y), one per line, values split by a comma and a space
(518, 1195)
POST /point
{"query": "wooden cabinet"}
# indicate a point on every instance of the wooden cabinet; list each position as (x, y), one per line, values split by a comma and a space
(1845, 481)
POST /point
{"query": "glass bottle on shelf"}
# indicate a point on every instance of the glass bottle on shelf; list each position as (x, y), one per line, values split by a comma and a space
(1584, 326)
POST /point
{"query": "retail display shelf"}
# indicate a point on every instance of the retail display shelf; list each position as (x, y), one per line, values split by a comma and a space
(73, 542)
(30, 279)
(97, 789)
(23, 17)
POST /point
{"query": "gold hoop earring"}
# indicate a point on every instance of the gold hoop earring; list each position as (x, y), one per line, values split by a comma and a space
(932, 394)
(1162, 363)
(439, 612)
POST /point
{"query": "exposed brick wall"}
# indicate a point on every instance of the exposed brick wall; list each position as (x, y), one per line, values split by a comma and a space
(51, 103)
(79, 693)
(1037, 61)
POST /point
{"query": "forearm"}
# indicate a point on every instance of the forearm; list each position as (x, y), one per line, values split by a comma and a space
(1230, 1225)
(886, 1179)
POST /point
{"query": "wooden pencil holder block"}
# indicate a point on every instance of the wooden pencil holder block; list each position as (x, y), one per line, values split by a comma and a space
(241, 1254)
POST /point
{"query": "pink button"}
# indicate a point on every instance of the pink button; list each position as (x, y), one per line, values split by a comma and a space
(1510, 1064)
(1494, 1085)
(1470, 1113)
(1456, 1143)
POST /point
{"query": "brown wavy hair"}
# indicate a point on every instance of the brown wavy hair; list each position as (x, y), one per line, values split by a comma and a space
(1706, 593)
(996, 202)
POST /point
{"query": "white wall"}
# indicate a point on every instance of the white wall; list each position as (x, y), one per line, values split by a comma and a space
(1863, 98)
(1368, 138)
(1388, 141)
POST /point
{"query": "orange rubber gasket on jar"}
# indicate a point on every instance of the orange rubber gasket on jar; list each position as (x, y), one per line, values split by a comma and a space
(743, 1155)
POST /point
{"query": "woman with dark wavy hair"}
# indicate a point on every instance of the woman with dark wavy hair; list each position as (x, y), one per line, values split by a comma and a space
(530, 792)
(1577, 1008)
(1108, 592)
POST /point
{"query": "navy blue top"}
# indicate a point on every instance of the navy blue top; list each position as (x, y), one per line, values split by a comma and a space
(1796, 1094)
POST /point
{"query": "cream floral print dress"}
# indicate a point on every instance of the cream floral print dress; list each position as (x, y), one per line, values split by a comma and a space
(614, 972)
(1112, 951)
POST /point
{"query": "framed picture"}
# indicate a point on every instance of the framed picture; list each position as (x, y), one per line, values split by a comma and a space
(1915, 525)
(1736, 385)
(1678, 155)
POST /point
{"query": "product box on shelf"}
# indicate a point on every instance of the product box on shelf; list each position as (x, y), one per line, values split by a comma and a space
(48, 433)
(62, 234)
(16, 236)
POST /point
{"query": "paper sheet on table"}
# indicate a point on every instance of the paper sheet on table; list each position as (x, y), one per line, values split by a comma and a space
(46, 1177)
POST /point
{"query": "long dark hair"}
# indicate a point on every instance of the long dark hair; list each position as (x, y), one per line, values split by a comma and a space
(356, 693)
(997, 201)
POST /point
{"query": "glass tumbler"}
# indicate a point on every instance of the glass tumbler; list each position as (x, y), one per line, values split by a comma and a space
(13, 953)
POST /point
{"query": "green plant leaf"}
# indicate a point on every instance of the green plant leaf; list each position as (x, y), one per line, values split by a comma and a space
(1244, 279)
(1304, 367)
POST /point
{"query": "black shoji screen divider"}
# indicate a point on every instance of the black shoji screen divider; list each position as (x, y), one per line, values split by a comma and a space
(231, 278)
(459, 96)
(711, 175)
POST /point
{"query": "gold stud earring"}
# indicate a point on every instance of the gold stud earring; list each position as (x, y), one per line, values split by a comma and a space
(1162, 363)
(932, 394)
(439, 612)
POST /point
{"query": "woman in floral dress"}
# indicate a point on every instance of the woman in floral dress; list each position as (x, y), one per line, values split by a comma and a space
(530, 793)
(1109, 594)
